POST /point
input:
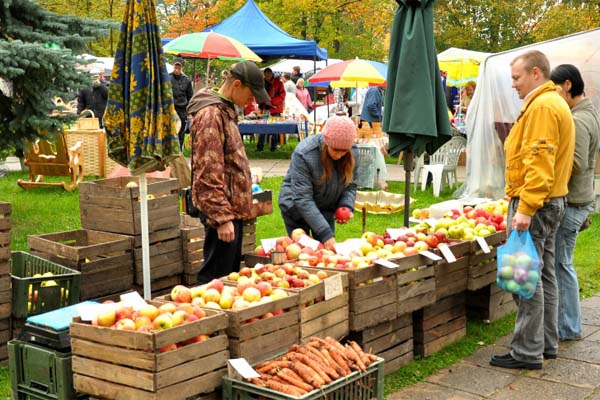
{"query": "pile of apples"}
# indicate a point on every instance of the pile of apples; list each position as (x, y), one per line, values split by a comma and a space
(518, 273)
(283, 276)
(151, 318)
(217, 295)
(290, 246)
(468, 223)
(33, 295)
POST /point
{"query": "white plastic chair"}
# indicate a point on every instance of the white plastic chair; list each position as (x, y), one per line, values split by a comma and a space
(442, 165)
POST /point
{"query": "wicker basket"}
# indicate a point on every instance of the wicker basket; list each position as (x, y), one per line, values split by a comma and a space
(84, 123)
(97, 162)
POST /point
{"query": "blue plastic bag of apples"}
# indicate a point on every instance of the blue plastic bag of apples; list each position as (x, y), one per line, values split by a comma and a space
(518, 265)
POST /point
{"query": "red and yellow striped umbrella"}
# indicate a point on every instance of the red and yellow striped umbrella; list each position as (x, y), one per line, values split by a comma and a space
(210, 45)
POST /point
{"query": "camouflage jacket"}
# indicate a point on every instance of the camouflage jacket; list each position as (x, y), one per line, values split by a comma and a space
(221, 170)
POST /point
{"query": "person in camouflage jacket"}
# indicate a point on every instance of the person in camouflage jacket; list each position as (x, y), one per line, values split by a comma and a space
(221, 181)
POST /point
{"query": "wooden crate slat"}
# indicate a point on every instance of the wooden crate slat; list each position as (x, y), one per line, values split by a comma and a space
(161, 235)
(80, 244)
(314, 311)
(5, 253)
(364, 320)
(265, 346)
(5, 208)
(312, 326)
(263, 326)
(5, 223)
(5, 239)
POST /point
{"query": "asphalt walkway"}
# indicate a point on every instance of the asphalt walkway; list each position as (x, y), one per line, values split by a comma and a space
(574, 375)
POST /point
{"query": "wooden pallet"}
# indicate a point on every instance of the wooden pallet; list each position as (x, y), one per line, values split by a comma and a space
(451, 278)
(391, 340)
(482, 266)
(104, 259)
(113, 364)
(109, 205)
(489, 303)
(439, 325)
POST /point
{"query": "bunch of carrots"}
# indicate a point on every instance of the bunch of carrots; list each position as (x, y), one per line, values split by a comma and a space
(306, 368)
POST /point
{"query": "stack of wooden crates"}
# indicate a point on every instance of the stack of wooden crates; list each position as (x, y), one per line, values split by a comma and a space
(114, 205)
(5, 280)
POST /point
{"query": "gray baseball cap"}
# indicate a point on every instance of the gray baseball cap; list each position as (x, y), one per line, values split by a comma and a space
(250, 75)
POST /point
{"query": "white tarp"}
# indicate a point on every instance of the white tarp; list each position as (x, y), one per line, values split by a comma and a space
(496, 104)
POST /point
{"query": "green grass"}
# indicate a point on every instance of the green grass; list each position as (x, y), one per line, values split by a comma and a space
(47, 210)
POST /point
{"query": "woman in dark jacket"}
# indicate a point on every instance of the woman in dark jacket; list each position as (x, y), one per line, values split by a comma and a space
(321, 179)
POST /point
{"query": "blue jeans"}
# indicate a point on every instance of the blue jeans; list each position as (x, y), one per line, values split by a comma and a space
(569, 311)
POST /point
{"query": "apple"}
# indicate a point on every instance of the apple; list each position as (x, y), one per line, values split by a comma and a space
(322, 274)
(265, 288)
(212, 295)
(213, 305)
(260, 251)
(226, 301)
(278, 294)
(167, 308)
(421, 246)
(179, 317)
(533, 276)
(342, 215)
(233, 276)
(187, 307)
(163, 321)
(506, 272)
(297, 234)
(520, 275)
(198, 301)
(181, 294)
(314, 278)
(169, 347)
(251, 294)
(432, 240)
(125, 324)
(512, 286)
(142, 320)
(107, 318)
(240, 304)
(246, 271)
(523, 261)
(410, 251)
(198, 312)
(293, 251)
(216, 284)
(198, 291)
(284, 241)
(148, 311)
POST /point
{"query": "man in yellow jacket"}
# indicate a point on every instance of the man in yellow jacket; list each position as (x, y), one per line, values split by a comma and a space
(539, 159)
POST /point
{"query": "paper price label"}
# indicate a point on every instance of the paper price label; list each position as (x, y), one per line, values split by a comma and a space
(386, 263)
(344, 248)
(395, 233)
(134, 300)
(268, 244)
(483, 244)
(414, 220)
(333, 286)
(241, 367)
(447, 253)
(430, 255)
(431, 221)
(87, 311)
(307, 241)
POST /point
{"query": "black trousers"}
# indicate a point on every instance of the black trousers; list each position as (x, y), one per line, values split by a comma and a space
(273, 139)
(182, 114)
(220, 258)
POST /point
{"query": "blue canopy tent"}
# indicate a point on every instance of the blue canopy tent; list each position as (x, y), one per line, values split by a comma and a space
(253, 28)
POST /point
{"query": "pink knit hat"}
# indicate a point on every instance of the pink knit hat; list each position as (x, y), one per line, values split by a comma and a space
(339, 133)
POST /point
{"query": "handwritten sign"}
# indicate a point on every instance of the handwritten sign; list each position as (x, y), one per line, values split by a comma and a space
(447, 253)
(483, 244)
(333, 286)
(307, 241)
(430, 255)
(268, 244)
(239, 366)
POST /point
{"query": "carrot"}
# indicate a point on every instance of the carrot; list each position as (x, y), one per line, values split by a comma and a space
(317, 366)
(340, 359)
(272, 365)
(293, 379)
(341, 371)
(284, 388)
(308, 374)
(317, 354)
(334, 343)
(258, 382)
(351, 354)
(363, 356)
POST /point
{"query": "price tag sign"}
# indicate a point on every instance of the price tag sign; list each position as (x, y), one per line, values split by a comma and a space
(447, 253)
(333, 286)
(240, 367)
(307, 241)
(431, 222)
(89, 311)
(268, 244)
(414, 220)
(430, 255)
(483, 244)
(386, 263)
(395, 233)
(134, 300)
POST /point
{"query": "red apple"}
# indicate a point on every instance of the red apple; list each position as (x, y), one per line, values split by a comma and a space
(181, 294)
(123, 312)
(293, 251)
(216, 284)
(265, 288)
(342, 215)
(284, 241)
(260, 251)
(297, 234)
(107, 318)
(125, 324)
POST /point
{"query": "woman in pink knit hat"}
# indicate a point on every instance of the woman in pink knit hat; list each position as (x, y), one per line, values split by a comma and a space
(320, 186)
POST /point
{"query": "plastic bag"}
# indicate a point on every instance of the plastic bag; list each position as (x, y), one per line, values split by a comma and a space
(518, 265)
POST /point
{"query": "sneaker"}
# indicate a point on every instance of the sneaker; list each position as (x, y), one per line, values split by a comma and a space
(507, 361)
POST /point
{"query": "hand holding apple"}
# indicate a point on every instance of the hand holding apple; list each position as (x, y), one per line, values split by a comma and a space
(342, 215)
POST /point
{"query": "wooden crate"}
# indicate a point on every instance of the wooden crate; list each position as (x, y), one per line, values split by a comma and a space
(255, 338)
(451, 278)
(165, 255)
(113, 364)
(160, 286)
(104, 259)
(5, 336)
(416, 283)
(5, 297)
(391, 340)
(109, 205)
(439, 325)
(482, 266)
(489, 303)
(5, 225)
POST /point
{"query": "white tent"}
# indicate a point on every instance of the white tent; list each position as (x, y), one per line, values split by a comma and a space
(286, 65)
(496, 105)
(106, 64)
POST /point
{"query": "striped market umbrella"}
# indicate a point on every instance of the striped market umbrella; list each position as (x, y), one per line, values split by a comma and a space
(356, 70)
(140, 113)
(210, 45)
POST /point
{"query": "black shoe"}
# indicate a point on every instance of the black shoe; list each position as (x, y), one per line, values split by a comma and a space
(507, 361)
(550, 356)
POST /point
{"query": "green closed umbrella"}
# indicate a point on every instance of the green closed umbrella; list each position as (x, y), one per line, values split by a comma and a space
(415, 115)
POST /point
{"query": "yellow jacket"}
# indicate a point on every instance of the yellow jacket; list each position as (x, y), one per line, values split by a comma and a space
(539, 150)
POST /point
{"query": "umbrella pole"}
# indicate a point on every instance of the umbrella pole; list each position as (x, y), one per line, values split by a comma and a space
(145, 239)
(408, 167)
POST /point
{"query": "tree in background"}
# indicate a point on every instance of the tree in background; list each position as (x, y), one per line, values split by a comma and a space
(37, 62)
